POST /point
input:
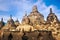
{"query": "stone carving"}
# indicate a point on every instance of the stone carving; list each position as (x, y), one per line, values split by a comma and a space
(25, 19)
(10, 21)
(10, 24)
(35, 17)
(17, 22)
(34, 22)
(52, 17)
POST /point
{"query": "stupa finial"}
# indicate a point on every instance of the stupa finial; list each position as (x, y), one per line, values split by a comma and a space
(34, 9)
(25, 13)
(50, 10)
(10, 16)
(1, 19)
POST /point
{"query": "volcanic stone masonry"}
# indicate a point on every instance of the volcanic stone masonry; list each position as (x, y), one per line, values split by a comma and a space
(32, 27)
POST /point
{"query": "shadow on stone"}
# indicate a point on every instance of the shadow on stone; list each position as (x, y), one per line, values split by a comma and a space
(24, 37)
(10, 36)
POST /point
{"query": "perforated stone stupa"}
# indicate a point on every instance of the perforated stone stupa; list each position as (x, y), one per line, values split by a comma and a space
(35, 16)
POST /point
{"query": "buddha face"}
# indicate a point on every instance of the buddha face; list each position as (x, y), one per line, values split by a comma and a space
(25, 21)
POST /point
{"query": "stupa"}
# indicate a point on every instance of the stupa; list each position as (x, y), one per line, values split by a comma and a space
(1, 23)
(17, 23)
(9, 25)
(36, 17)
(52, 17)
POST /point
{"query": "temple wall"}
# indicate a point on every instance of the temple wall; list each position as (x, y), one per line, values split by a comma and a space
(35, 35)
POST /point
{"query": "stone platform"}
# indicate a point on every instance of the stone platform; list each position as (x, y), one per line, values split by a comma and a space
(33, 35)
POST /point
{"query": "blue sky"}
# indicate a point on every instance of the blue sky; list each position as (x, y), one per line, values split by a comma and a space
(17, 8)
